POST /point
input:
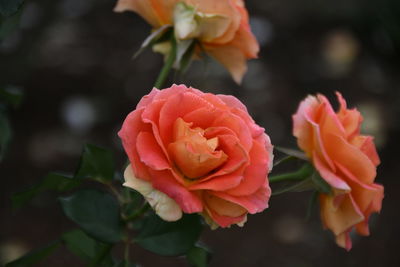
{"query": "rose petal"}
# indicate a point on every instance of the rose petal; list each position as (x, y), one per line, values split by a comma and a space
(131, 128)
(163, 206)
(351, 158)
(255, 174)
(150, 152)
(330, 177)
(253, 203)
(339, 219)
(165, 182)
(176, 107)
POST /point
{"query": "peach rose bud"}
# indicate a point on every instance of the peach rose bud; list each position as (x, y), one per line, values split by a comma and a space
(345, 159)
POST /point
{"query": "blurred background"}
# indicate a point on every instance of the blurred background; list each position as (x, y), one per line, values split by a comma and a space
(72, 59)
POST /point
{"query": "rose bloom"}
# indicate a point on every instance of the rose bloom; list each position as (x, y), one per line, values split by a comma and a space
(197, 152)
(345, 159)
(222, 27)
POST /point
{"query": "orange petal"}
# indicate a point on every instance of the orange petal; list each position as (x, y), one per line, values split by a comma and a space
(339, 219)
(141, 7)
(352, 158)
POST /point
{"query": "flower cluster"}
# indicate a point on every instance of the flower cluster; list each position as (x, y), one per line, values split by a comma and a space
(193, 152)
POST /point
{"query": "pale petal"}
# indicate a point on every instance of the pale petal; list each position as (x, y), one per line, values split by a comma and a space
(164, 206)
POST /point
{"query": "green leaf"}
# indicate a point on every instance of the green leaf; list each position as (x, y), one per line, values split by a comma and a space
(134, 200)
(9, 7)
(97, 213)
(34, 257)
(87, 248)
(52, 181)
(292, 152)
(12, 96)
(96, 163)
(5, 134)
(81, 244)
(169, 238)
(320, 184)
(199, 256)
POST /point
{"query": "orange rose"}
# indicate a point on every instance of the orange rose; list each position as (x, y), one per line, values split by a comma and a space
(222, 27)
(193, 152)
(345, 159)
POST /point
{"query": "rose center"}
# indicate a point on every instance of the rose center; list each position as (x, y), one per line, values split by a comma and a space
(194, 154)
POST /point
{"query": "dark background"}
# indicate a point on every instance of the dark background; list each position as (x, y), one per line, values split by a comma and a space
(72, 58)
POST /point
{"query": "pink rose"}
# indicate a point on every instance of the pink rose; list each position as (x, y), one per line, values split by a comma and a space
(196, 152)
(345, 159)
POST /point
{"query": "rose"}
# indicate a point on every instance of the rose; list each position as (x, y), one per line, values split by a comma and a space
(221, 27)
(196, 152)
(345, 159)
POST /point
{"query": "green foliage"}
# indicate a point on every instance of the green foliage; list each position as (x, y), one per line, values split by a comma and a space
(52, 181)
(96, 163)
(8, 97)
(87, 248)
(11, 96)
(5, 134)
(97, 213)
(169, 238)
(9, 7)
(81, 244)
(199, 256)
(9, 21)
(34, 257)
(306, 178)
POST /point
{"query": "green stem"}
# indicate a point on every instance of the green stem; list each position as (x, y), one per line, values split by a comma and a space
(167, 66)
(138, 213)
(299, 175)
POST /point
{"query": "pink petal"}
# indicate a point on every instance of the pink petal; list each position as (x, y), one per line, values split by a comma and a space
(254, 203)
(218, 183)
(238, 126)
(131, 128)
(150, 152)
(255, 174)
(165, 182)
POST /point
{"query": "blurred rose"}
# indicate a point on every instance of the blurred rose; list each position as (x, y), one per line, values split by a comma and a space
(345, 159)
(194, 152)
(222, 27)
